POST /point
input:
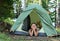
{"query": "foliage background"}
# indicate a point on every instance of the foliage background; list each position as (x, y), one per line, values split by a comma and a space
(6, 9)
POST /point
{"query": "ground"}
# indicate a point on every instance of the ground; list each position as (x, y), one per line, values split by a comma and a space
(8, 37)
(28, 38)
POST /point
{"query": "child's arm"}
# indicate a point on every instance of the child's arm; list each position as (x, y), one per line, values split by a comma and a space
(36, 32)
(31, 32)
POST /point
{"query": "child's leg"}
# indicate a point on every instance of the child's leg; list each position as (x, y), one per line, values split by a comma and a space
(31, 32)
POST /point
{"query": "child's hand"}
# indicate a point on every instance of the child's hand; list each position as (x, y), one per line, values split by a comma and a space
(31, 32)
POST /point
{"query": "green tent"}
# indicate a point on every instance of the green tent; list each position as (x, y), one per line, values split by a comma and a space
(43, 17)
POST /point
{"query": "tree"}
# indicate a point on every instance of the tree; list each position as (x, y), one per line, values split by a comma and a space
(52, 9)
(58, 13)
(6, 9)
(6, 13)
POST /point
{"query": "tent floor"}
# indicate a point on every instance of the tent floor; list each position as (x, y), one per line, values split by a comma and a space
(27, 34)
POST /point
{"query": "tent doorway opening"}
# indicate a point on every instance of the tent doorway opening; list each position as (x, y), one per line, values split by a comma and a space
(32, 18)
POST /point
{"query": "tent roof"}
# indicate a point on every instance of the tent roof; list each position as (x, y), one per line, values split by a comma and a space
(43, 15)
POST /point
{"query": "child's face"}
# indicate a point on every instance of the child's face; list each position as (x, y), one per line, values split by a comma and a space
(33, 26)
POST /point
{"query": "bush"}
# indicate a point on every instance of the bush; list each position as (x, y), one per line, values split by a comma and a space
(6, 25)
(6, 9)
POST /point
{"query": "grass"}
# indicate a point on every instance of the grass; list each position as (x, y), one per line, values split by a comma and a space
(7, 37)
(4, 37)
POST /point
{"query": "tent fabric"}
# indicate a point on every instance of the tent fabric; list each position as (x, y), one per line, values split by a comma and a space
(43, 15)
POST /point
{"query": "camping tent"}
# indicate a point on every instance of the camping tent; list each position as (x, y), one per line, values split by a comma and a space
(43, 16)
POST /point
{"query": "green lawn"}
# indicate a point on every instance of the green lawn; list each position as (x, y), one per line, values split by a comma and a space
(7, 37)
(4, 37)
